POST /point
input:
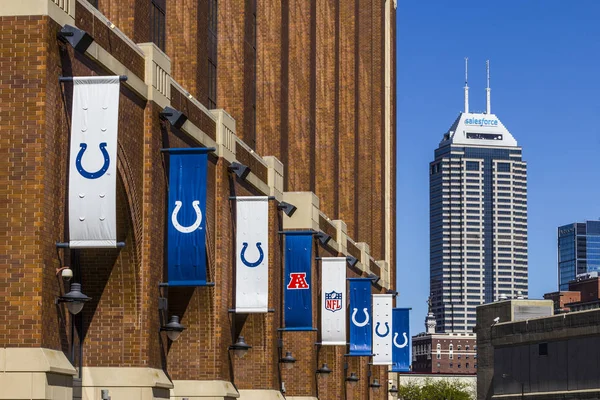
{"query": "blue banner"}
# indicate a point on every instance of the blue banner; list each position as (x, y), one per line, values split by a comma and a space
(297, 295)
(360, 317)
(186, 251)
(400, 340)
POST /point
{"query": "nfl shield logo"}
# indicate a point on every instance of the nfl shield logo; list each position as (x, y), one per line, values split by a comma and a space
(333, 301)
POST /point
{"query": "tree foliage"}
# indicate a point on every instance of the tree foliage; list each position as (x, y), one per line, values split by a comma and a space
(438, 389)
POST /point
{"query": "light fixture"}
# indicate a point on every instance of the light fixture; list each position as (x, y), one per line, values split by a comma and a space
(287, 208)
(239, 169)
(288, 361)
(74, 299)
(352, 379)
(351, 260)
(324, 370)
(79, 39)
(393, 391)
(323, 237)
(373, 277)
(173, 328)
(375, 385)
(176, 118)
(240, 348)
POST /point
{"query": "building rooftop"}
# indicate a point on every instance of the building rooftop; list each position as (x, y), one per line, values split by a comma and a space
(478, 129)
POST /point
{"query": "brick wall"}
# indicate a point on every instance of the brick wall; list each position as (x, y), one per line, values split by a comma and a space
(187, 45)
(319, 93)
(23, 209)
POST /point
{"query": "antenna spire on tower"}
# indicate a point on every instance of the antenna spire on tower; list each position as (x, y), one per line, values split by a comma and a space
(488, 90)
(466, 85)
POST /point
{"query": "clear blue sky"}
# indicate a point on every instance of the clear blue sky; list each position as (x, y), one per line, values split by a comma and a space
(545, 79)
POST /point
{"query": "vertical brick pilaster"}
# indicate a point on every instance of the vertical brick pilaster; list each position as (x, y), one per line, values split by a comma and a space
(347, 119)
(326, 118)
(365, 135)
(299, 96)
(23, 210)
(269, 84)
(130, 16)
(187, 45)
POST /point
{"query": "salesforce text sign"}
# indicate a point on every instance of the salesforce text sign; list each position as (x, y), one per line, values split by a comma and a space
(481, 122)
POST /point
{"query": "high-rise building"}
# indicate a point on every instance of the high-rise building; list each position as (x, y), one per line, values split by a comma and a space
(578, 251)
(478, 219)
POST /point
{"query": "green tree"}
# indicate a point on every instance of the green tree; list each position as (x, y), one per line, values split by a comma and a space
(435, 389)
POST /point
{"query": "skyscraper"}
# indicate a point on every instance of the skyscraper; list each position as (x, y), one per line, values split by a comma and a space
(578, 251)
(478, 219)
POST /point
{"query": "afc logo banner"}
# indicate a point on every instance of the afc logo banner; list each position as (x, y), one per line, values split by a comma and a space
(298, 281)
(333, 301)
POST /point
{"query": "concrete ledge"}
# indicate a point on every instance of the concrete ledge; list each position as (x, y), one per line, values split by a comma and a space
(35, 360)
(125, 383)
(246, 394)
(63, 15)
(275, 177)
(158, 74)
(301, 398)
(196, 390)
(35, 373)
(307, 211)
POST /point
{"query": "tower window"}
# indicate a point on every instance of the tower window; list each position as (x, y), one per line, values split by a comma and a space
(503, 167)
(212, 54)
(157, 23)
(472, 166)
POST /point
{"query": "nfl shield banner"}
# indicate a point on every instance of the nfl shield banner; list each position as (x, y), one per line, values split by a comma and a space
(400, 340)
(93, 162)
(252, 254)
(186, 227)
(297, 295)
(360, 316)
(382, 329)
(333, 301)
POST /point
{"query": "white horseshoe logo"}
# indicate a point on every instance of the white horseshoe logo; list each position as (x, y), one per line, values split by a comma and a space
(194, 226)
(400, 346)
(360, 324)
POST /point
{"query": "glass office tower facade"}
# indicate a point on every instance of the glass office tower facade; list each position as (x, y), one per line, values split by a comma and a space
(478, 220)
(578, 251)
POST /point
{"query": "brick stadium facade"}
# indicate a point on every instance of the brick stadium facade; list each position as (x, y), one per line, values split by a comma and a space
(303, 95)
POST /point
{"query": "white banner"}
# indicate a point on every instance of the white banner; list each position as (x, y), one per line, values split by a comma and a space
(252, 255)
(93, 162)
(382, 329)
(333, 301)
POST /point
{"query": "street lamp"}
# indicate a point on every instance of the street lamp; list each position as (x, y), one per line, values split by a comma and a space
(240, 348)
(75, 299)
(173, 328)
(393, 391)
(375, 385)
(352, 379)
(324, 371)
(288, 361)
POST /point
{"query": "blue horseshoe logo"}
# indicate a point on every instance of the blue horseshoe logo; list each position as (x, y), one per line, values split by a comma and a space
(260, 257)
(387, 329)
(101, 171)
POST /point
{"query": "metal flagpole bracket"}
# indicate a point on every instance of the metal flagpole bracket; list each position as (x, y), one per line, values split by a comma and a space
(166, 284)
(65, 245)
(235, 197)
(63, 79)
(190, 149)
